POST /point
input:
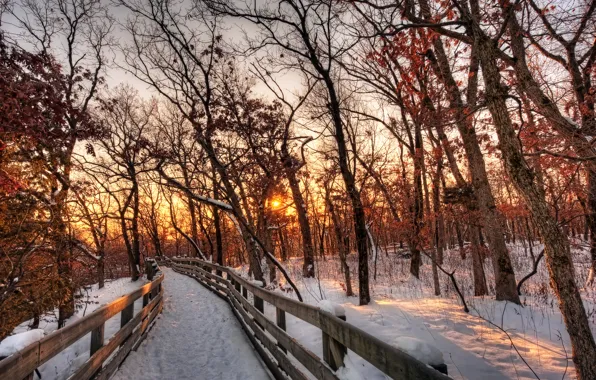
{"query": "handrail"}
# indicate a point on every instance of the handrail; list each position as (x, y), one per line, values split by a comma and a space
(338, 335)
(22, 364)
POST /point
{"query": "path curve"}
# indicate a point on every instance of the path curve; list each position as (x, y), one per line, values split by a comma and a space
(196, 337)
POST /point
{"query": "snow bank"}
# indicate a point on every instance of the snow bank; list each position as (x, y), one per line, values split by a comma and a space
(15, 343)
(256, 283)
(333, 308)
(349, 370)
(421, 350)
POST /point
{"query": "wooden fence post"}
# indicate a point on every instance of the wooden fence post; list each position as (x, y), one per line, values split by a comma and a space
(149, 270)
(258, 302)
(280, 319)
(333, 351)
(97, 340)
(127, 314)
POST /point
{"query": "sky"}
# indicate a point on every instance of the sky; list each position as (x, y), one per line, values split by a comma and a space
(232, 30)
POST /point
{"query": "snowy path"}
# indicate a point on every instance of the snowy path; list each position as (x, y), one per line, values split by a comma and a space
(196, 337)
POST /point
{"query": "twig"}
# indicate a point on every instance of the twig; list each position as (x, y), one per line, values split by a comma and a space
(512, 344)
(566, 355)
(451, 276)
(533, 272)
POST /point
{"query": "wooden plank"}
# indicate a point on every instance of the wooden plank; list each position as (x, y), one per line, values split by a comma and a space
(280, 321)
(258, 303)
(307, 358)
(205, 282)
(128, 345)
(97, 340)
(60, 339)
(127, 314)
(94, 363)
(392, 361)
(21, 365)
(97, 337)
(307, 313)
(333, 351)
(283, 362)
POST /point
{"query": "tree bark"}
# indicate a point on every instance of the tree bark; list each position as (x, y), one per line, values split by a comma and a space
(557, 251)
(308, 266)
(341, 246)
(505, 284)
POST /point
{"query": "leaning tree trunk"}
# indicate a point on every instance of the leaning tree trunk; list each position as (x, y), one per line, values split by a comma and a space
(353, 193)
(505, 284)
(242, 222)
(308, 266)
(556, 244)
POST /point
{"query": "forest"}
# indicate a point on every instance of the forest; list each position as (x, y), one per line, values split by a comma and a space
(444, 146)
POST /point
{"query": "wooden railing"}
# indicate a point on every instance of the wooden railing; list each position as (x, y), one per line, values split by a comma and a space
(338, 335)
(133, 329)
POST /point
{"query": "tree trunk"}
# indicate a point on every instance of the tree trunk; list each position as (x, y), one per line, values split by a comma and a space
(460, 240)
(341, 247)
(101, 271)
(591, 221)
(418, 208)
(217, 224)
(193, 224)
(308, 266)
(353, 193)
(505, 286)
(557, 252)
(480, 288)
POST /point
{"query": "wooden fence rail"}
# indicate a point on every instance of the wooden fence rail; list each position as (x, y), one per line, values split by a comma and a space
(338, 335)
(133, 330)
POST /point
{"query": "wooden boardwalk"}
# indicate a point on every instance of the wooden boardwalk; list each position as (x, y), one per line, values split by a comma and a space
(196, 337)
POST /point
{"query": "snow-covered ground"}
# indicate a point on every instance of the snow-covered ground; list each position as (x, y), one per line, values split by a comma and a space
(64, 364)
(195, 337)
(472, 347)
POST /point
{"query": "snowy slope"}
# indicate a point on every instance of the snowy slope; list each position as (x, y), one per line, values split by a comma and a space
(196, 337)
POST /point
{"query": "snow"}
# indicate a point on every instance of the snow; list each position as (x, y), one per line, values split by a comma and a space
(333, 308)
(421, 350)
(572, 122)
(257, 283)
(61, 366)
(196, 337)
(403, 307)
(349, 371)
(201, 198)
(15, 343)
